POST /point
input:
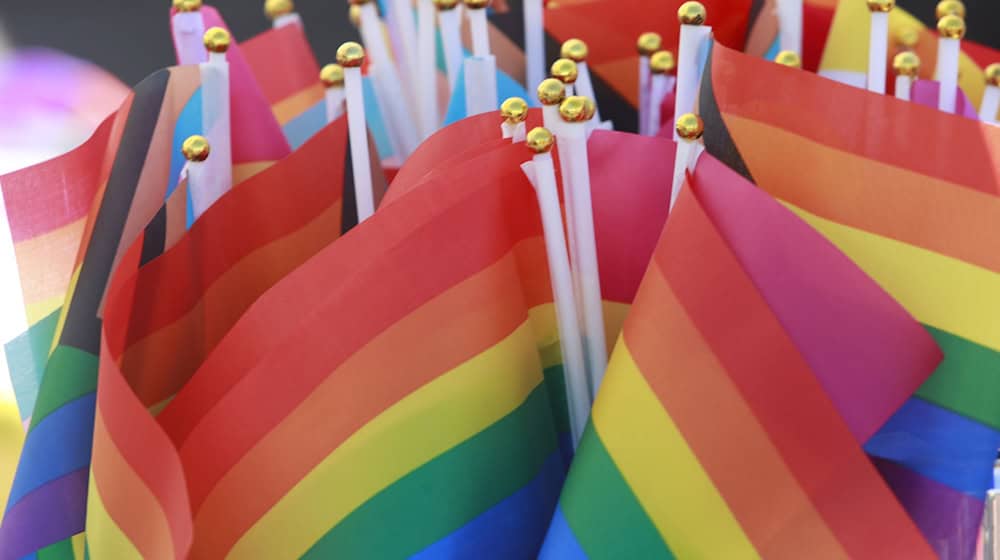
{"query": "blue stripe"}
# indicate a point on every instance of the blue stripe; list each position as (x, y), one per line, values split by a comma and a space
(940, 445)
(509, 529)
(376, 124)
(561, 543)
(506, 87)
(59, 445)
(303, 127)
(188, 124)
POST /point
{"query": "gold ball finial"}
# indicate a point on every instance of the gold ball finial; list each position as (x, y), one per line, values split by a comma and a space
(908, 37)
(951, 26)
(692, 13)
(690, 126)
(195, 148)
(514, 110)
(350, 55)
(540, 140)
(277, 8)
(992, 74)
(648, 43)
(949, 7)
(332, 75)
(881, 5)
(906, 64)
(551, 92)
(477, 4)
(445, 5)
(662, 62)
(358, 2)
(564, 70)
(577, 109)
(354, 14)
(187, 5)
(217, 40)
(790, 59)
(575, 50)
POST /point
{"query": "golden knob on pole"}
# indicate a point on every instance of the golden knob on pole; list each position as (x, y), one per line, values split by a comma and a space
(692, 13)
(881, 5)
(358, 2)
(575, 50)
(951, 26)
(514, 110)
(790, 59)
(195, 148)
(908, 37)
(690, 126)
(648, 43)
(906, 64)
(950, 7)
(332, 75)
(540, 140)
(564, 70)
(551, 92)
(350, 55)
(445, 5)
(992, 74)
(354, 14)
(662, 62)
(217, 40)
(187, 5)
(577, 109)
(476, 4)
(277, 8)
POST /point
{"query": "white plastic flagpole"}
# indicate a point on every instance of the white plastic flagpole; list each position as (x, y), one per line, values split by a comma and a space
(281, 13)
(790, 25)
(689, 129)
(951, 29)
(188, 28)
(694, 37)
(215, 122)
(351, 56)
(878, 44)
(514, 111)
(906, 65)
(332, 76)
(564, 70)
(660, 64)
(196, 150)
(402, 20)
(551, 93)
(572, 138)
(386, 80)
(451, 39)
(991, 96)
(481, 67)
(577, 51)
(647, 44)
(534, 42)
(541, 173)
(991, 525)
(427, 67)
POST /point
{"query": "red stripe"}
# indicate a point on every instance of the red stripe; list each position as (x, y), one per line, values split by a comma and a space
(282, 62)
(785, 395)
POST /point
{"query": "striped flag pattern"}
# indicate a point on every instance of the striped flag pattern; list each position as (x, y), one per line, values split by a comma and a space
(911, 195)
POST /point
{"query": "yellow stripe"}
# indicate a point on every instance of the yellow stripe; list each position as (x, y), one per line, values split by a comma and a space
(104, 538)
(645, 443)
(428, 422)
(62, 314)
(78, 542)
(41, 309)
(297, 103)
(11, 441)
(543, 320)
(939, 291)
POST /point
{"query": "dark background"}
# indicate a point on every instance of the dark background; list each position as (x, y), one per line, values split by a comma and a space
(131, 38)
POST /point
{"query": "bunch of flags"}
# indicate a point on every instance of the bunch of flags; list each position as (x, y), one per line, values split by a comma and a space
(725, 284)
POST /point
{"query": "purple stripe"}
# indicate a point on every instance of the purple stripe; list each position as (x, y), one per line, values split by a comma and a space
(49, 514)
(948, 519)
(868, 353)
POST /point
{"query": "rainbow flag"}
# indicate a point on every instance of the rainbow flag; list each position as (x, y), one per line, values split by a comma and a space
(911, 195)
(284, 66)
(755, 361)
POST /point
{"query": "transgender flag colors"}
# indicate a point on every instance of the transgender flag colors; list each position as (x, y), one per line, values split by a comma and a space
(911, 195)
(722, 428)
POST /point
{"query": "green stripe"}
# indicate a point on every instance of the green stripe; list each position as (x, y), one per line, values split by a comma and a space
(446, 493)
(555, 381)
(62, 550)
(602, 511)
(70, 374)
(967, 381)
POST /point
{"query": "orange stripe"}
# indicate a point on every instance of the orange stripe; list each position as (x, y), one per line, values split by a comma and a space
(296, 104)
(46, 262)
(732, 446)
(464, 320)
(897, 203)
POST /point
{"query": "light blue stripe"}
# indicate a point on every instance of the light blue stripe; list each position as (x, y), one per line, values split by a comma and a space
(510, 529)
(940, 445)
(376, 124)
(506, 87)
(561, 543)
(188, 123)
(300, 129)
(773, 51)
(58, 445)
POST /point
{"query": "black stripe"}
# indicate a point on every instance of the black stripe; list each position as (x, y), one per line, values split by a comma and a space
(154, 238)
(82, 328)
(718, 142)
